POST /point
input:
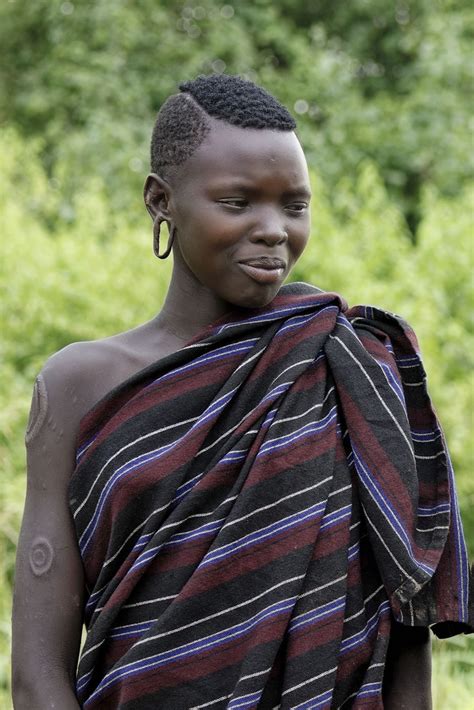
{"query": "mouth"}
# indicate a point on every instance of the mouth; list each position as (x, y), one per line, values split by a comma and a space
(264, 270)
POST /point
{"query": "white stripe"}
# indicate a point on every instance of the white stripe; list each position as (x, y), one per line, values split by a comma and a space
(275, 315)
(249, 359)
(430, 458)
(406, 543)
(316, 609)
(131, 443)
(149, 601)
(290, 367)
(135, 530)
(89, 650)
(436, 527)
(210, 412)
(244, 698)
(233, 428)
(225, 697)
(315, 422)
(307, 411)
(258, 510)
(228, 432)
(373, 665)
(402, 569)
(310, 680)
(362, 632)
(108, 680)
(323, 586)
(365, 373)
(239, 543)
(134, 625)
(214, 615)
(367, 599)
(179, 522)
(313, 699)
(335, 493)
(280, 500)
(254, 675)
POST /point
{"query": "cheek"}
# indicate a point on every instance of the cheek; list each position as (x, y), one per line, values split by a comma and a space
(300, 239)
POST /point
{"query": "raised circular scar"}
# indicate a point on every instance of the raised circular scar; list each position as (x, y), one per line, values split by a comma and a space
(41, 556)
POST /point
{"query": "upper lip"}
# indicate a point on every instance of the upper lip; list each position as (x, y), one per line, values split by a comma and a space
(264, 262)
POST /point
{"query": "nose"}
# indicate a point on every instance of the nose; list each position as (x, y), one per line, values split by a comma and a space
(269, 229)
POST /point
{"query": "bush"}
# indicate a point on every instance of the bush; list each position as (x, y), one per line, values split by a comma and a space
(95, 275)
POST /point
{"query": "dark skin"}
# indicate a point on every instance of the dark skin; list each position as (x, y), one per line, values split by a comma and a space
(243, 194)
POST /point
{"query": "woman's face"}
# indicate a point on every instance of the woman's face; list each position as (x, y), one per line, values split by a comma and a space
(241, 211)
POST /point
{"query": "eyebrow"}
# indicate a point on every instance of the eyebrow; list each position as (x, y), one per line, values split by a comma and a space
(300, 191)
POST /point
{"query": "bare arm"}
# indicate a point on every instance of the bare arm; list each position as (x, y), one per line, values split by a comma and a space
(49, 579)
(407, 681)
(48, 596)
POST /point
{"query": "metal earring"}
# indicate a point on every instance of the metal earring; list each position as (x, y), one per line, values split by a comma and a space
(156, 239)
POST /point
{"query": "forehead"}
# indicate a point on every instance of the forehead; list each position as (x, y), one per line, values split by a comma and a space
(248, 153)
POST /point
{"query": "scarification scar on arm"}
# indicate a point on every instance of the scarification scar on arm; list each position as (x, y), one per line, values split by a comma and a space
(41, 556)
(38, 411)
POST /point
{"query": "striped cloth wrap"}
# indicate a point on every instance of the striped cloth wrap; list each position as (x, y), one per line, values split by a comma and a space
(254, 510)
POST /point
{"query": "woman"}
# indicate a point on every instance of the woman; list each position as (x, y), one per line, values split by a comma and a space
(248, 498)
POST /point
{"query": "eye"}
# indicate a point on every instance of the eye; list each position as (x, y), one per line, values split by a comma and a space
(234, 203)
(297, 207)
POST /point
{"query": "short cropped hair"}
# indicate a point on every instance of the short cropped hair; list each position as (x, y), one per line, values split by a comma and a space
(183, 121)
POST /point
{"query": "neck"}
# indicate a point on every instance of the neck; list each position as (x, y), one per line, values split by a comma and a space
(189, 306)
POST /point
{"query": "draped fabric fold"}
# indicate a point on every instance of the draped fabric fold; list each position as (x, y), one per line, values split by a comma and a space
(253, 510)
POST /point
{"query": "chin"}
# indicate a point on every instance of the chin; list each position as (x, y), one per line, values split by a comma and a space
(255, 300)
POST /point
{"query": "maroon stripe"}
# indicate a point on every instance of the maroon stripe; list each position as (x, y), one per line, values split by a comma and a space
(326, 630)
(182, 671)
(246, 561)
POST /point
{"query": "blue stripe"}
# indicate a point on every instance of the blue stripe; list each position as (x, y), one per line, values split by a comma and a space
(263, 533)
(199, 532)
(193, 648)
(357, 639)
(460, 548)
(137, 630)
(422, 436)
(84, 680)
(434, 510)
(218, 354)
(137, 462)
(374, 690)
(371, 485)
(354, 551)
(332, 519)
(306, 430)
(319, 701)
(250, 699)
(275, 315)
(393, 382)
(409, 359)
(297, 321)
(185, 488)
(321, 612)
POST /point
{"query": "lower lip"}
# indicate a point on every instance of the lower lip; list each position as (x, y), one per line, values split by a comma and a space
(263, 276)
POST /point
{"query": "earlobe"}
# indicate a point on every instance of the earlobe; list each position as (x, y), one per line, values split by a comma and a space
(156, 196)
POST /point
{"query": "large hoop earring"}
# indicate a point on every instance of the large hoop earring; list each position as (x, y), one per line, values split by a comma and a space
(156, 240)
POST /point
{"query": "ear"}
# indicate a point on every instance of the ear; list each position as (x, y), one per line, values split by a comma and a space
(157, 193)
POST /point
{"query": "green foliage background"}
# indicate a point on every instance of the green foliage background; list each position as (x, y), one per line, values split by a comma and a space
(382, 94)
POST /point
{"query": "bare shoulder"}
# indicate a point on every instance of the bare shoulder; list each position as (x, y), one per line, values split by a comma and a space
(73, 380)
